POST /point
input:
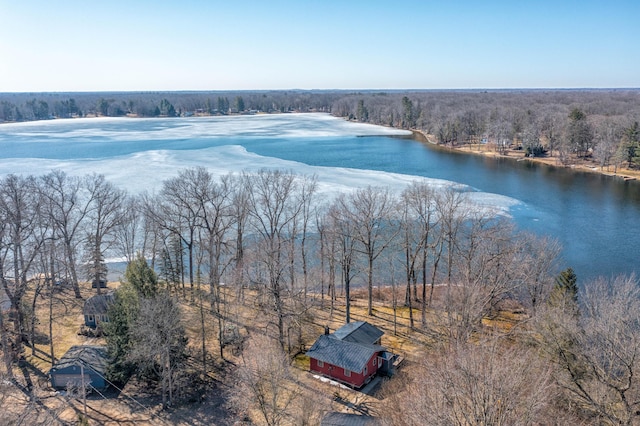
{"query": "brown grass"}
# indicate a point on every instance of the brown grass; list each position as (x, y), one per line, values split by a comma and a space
(251, 315)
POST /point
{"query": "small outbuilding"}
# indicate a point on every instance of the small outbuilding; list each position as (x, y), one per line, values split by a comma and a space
(99, 283)
(96, 309)
(79, 361)
(351, 355)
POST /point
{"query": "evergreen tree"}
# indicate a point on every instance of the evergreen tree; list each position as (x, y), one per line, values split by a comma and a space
(140, 275)
(631, 144)
(240, 104)
(122, 315)
(141, 283)
(362, 114)
(565, 291)
(579, 133)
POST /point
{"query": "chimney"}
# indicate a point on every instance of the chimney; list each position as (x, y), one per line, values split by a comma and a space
(326, 329)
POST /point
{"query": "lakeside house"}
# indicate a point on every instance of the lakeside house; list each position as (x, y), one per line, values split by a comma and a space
(351, 355)
(81, 364)
(95, 309)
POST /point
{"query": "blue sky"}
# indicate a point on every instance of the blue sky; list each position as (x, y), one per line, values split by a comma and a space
(141, 45)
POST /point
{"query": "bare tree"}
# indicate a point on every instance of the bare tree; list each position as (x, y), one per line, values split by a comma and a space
(485, 274)
(484, 384)
(536, 260)
(343, 232)
(418, 220)
(176, 211)
(128, 232)
(19, 247)
(67, 207)
(216, 218)
(159, 341)
(453, 210)
(264, 382)
(105, 215)
(369, 209)
(597, 352)
(274, 204)
(607, 136)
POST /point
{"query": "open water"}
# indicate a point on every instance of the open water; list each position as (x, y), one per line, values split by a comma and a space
(595, 218)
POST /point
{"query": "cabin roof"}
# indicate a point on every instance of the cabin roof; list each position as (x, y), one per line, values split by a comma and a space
(98, 304)
(345, 419)
(359, 332)
(93, 357)
(349, 347)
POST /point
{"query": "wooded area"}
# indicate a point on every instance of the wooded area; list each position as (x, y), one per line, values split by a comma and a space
(231, 279)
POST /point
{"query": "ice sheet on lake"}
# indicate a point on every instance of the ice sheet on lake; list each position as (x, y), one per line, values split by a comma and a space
(133, 129)
(145, 171)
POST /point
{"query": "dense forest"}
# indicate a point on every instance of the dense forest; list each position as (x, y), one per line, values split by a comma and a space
(573, 125)
(230, 279)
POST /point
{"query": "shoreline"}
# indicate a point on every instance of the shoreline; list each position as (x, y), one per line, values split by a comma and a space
(622, 174)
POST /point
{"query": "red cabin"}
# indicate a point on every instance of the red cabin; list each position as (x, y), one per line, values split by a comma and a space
(351, 355)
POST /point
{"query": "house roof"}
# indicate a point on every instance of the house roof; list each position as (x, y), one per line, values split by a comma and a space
(98, 304)
(94, 357)
(350, 347)
(359, 332)
(344, 419)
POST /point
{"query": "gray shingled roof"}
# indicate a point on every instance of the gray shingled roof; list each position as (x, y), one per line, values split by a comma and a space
(350, 347)
(94, 357)
(344, 419)
(359, 332)
(98, 304)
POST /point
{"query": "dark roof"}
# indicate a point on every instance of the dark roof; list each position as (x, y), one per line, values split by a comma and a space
(94, 357)
(98, 304)
(359, 332)
(348, 355)
(344, 419)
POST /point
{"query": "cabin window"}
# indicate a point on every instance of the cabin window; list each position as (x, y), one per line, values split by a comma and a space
(365, 370)
(90, 318)
(320, 364)
(347, 373)
(375, 360)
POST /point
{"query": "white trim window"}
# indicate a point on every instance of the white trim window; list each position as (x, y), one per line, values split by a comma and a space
(320, 364)
(347, 373)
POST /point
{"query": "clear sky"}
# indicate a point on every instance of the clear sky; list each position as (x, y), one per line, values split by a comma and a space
(142, 45)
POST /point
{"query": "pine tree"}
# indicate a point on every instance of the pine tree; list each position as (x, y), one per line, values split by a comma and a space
(122, 315)
(140, 275)
(565, 291)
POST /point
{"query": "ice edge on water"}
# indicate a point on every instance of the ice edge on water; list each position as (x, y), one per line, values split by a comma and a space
(146, 170)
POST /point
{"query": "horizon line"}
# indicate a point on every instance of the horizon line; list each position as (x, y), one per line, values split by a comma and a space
(468, 89)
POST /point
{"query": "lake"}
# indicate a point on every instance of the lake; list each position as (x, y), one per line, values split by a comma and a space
(595, 218)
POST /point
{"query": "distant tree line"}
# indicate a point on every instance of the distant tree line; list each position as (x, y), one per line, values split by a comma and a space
(42, 106)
